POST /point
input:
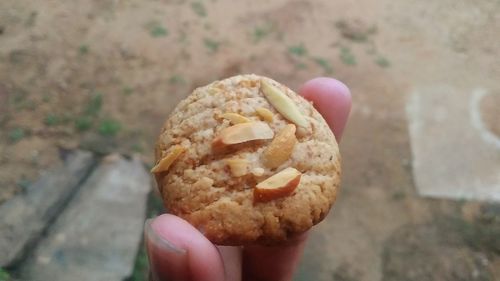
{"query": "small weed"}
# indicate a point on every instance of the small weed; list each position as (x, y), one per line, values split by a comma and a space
(382, 62)
(211, 45)
(83, 123)
(31, 19)
(347, 57)
(18, 56)
(17, 134)
(141, 266)
(398, 195)
(136, 147)
(372, 29)
(109, 127)
(324, 64)
(4, 275)
(23, 183)
(261, 32)
(340, 24)
(83, 49)
(300, 66)
(155, 205)
(297, 50)
(127, 91)
(207, 26)
(52, 120)
(19, 99)
(158, 31)
(46, 98)
(94, 105)
(176, 79)
(199, 9)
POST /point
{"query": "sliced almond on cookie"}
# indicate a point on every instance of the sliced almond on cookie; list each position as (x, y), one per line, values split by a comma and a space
(265, 114)
(281, 147)
(277, 186)
(283, 104)
(257, 171)
(243, 132)
(238, 167)
(235, 118)
(165, 163)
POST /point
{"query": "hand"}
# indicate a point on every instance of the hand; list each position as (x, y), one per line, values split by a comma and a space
(179, 252)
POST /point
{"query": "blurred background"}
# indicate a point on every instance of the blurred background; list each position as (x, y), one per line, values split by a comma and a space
(86, 85)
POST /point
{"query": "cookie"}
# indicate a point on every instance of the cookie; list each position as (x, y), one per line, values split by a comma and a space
(247, 161)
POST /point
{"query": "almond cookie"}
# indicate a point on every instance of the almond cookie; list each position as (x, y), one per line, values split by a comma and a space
(247, 161)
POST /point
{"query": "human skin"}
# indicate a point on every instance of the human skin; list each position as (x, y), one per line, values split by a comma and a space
(179, 252)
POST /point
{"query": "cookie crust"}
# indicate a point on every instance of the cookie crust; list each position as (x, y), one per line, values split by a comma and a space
(200, 187)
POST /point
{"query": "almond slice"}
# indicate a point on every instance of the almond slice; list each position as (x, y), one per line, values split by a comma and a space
(280, 148)
(243, 132)
(237, 166)
(165, 163)
(265, 114)
(235, 118)
(257, 171)
(277, 186)
(283, 104)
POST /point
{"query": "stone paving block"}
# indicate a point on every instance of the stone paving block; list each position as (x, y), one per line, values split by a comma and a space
(98, 235)
(24, 217)
(455, 155)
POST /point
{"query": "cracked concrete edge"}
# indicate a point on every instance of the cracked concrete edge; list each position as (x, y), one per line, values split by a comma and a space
(112, 206)
(458, 186)
(26, 216)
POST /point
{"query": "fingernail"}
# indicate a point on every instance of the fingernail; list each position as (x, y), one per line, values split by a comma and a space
(159, 241)
(167, 261)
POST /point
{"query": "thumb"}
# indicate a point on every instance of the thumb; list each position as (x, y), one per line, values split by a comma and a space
(179, 252)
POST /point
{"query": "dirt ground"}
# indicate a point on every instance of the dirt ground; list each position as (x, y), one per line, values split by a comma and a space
(104, 74)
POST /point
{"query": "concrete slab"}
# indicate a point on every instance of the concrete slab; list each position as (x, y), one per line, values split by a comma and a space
(455, 155)
(25, 217)
(98, 235)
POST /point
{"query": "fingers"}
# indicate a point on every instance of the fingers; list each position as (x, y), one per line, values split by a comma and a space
(332, 99)
(179, 252)
(276, 263)
(231, 257)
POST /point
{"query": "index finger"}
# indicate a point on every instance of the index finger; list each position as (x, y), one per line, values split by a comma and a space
(333, 100)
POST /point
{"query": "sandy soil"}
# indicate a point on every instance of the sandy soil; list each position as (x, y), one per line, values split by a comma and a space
(103, 75)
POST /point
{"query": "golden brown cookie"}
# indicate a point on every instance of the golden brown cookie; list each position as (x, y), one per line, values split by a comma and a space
(246, 160)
